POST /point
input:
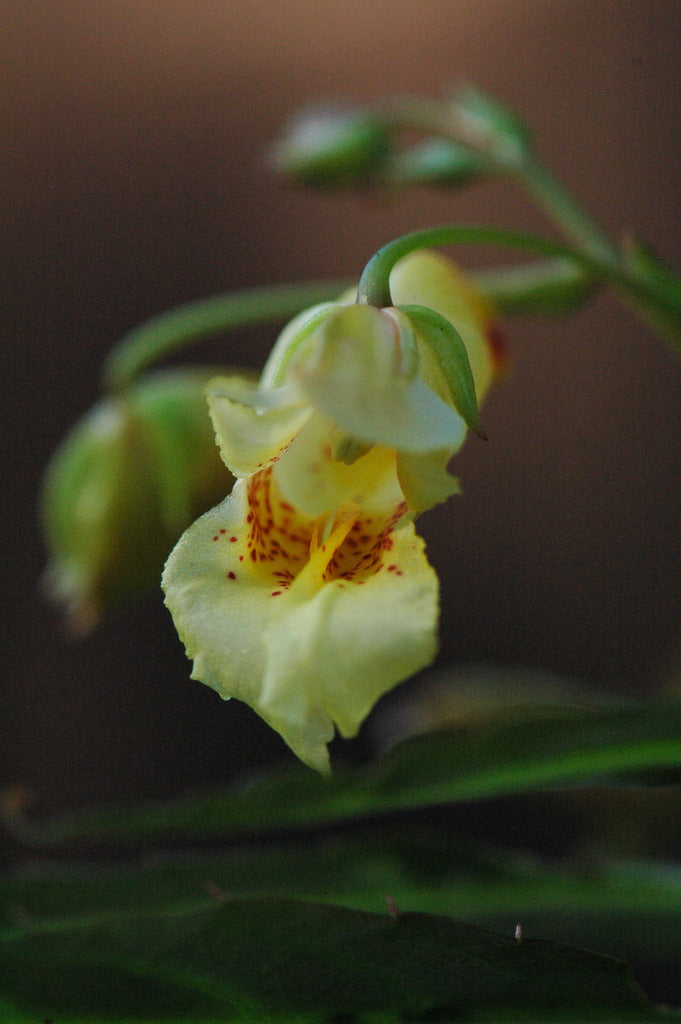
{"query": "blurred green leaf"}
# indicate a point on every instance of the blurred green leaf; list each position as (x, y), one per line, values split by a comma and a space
(655, 290)
(623, 907)
(515, 752)
(268, 959)
(548, 288)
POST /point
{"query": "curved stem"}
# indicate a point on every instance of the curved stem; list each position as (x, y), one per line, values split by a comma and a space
(171, 331)
(374, 286)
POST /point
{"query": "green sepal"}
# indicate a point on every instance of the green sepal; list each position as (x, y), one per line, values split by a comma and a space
(447, 347)
(492, 125)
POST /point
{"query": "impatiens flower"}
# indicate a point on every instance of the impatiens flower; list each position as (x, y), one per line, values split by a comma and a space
(307, 593)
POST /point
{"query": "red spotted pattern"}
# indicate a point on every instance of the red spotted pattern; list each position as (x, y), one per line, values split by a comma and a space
(278, 540)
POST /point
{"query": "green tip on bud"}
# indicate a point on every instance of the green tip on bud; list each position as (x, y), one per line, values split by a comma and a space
(125, 482)
(437, 162)
(332, 148)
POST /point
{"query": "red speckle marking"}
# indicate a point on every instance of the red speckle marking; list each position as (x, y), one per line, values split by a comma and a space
(232, 540)
(241, 558)
(275, 593)
(392, 568)
(223, 530)
(215, 538)
(231, 575)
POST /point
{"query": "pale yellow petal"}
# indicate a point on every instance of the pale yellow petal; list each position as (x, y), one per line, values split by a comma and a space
(216, 601)
(315, 482)
(311, 652)
(425, 479)
(332, 655)
(291, 342)
(252, 426)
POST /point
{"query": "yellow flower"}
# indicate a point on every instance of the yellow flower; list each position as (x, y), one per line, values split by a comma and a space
(307, 592)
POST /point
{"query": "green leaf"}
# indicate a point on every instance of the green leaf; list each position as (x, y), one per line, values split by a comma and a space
(655, 291)
(276, 959)
(549, 288)
(509, 753)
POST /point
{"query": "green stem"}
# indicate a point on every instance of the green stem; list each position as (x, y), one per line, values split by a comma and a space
(427, 115)
(565, 212)
(374, 286)
(171, 331)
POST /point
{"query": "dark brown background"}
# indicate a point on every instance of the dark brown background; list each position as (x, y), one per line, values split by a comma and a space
(134, 179)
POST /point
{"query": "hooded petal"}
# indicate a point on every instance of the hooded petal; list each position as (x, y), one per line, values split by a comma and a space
(291, 341)
(358, 376)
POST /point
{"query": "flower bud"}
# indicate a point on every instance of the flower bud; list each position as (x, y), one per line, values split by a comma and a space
(434, 162)
(125, 482)
(332, 148)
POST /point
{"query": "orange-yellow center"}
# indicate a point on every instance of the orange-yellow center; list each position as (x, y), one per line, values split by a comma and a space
(347, 545)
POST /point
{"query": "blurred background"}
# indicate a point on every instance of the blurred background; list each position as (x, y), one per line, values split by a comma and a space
(134, 179)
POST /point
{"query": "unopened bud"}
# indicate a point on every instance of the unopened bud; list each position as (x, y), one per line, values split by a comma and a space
(123, 485)
(332, 148)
